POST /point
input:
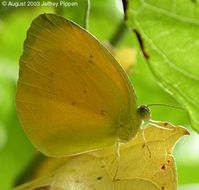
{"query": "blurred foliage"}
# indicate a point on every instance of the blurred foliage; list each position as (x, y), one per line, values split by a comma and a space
(16, 152)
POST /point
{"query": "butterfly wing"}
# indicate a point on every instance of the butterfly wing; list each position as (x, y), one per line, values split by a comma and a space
(72, 96)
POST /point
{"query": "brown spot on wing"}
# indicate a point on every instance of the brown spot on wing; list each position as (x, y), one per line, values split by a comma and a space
(90, 59)
(102, 112)
(73, 103)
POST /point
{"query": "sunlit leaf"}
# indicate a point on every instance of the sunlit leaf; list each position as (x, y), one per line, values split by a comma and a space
(142, 165)
(170, 38)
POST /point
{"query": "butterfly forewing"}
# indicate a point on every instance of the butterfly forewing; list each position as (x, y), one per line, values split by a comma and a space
(72, 95)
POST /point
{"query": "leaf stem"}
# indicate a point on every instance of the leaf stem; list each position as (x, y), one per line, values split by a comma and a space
(87, 14)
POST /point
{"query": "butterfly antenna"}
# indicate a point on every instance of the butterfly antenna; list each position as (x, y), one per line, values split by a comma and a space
(166, 105)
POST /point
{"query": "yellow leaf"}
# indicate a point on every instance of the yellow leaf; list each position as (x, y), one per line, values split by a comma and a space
(126, 57)
(143, 165)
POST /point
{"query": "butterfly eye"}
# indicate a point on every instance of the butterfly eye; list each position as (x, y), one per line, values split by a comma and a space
(144, 112)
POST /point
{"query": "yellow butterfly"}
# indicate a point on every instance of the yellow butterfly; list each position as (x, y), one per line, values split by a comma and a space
(72, 95)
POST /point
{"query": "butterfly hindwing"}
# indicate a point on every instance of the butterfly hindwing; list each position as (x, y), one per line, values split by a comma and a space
(72, 95)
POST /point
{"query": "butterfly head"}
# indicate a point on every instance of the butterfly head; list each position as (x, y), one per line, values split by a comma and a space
(144, 112)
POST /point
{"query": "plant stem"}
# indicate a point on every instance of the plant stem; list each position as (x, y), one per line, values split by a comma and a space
(87, 14)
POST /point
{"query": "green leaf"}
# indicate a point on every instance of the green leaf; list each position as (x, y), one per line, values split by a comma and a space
(75, 10)
(170, 34)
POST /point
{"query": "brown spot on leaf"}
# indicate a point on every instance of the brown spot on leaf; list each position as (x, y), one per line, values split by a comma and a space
(141, 42)
(163, 167)
(165, 124)
(162, 187)
(99, 178)
(168, 161)
(73, 103)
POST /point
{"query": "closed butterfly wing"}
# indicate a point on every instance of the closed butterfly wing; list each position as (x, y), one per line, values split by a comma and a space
(72, 95)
